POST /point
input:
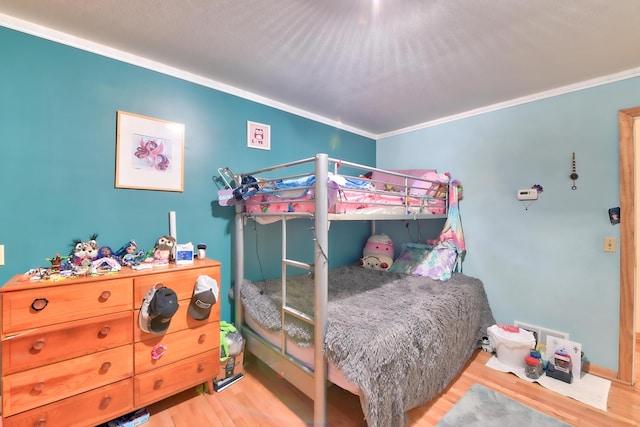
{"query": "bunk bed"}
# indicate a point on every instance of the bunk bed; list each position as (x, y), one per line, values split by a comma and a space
(395, 340)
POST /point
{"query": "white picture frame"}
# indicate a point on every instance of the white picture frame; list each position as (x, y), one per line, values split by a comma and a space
(149, 153)
(258, 136)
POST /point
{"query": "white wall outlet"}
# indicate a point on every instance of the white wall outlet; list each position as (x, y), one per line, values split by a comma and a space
(528, 194)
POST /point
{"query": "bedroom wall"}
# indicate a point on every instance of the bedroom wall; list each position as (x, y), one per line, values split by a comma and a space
(543, 263)
(58, 119)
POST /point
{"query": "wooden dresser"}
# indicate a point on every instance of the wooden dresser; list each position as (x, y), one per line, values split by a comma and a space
(73, 353)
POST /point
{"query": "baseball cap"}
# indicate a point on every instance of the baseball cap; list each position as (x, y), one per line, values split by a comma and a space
(205, 294)
(158, 307)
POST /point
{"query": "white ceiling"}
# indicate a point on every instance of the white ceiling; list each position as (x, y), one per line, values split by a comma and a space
(376, 67)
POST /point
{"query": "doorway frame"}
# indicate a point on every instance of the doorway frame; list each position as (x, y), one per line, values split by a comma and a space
(626, 347)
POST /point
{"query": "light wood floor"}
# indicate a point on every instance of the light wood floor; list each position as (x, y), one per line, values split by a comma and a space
(262, 399)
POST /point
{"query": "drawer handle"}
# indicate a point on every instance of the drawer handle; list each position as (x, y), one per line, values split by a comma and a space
(157, 384)
(39, 387)
(105, 331)
(106, 400)
(202, 338)
(39, 304)
(105, 367)
(105, 295)
(201, 366)
(42, 422)
(38, 345)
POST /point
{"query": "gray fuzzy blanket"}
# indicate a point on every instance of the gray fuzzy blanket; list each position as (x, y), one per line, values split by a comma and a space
(401, 339)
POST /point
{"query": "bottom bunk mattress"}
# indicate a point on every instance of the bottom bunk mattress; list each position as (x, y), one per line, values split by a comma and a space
(399, 339)
(303, 354)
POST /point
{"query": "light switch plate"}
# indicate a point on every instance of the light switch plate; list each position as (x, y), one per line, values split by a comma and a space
(1, 254)
(610, 244)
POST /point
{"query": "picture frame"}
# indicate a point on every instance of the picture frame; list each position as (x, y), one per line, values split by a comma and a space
(614, 215)
(149, 153)
(258, 136)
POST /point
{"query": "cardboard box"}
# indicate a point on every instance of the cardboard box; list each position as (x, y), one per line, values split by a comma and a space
(232, 366)
(132, 419)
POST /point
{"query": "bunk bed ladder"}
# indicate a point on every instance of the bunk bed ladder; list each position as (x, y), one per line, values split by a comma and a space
(321, 281)
(277, 359)
(320, 270)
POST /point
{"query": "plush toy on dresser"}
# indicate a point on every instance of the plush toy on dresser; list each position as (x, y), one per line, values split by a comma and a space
(83, 252)
(162, 252)
(377, 253)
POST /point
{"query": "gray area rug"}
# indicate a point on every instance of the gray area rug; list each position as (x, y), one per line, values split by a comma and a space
(481, 406)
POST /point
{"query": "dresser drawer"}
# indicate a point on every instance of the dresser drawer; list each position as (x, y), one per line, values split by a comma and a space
(181, 320)
(39, 386)
(64, 303)
(181, 282)
(179, 345)
(47, 345)
(160, 383)
(86, 409)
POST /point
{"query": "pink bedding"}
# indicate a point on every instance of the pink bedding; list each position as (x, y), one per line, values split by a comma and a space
(385, 191)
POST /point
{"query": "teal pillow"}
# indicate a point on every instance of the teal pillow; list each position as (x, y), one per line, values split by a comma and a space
(410, 257)
(439, 264)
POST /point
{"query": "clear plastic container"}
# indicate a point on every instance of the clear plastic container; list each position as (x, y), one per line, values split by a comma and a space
(533, 368)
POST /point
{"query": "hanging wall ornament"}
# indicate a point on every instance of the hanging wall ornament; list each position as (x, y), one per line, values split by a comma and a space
(573, 175)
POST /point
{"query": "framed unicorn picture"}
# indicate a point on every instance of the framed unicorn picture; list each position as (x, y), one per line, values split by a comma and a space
(149, 153)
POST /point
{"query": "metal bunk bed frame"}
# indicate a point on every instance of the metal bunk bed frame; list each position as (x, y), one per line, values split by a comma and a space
(311, 382)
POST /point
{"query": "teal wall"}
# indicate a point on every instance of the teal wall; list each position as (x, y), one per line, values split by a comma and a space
(543, 265)
(58, 125)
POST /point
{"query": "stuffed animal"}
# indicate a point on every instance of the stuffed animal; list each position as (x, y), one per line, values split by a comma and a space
(378, 244)
(84, 251)
(163, 250)
(376, 262)
(378, 252)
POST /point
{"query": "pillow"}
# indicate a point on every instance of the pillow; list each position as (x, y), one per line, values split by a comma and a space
(439, 263)
(384, 181)
(412, 255)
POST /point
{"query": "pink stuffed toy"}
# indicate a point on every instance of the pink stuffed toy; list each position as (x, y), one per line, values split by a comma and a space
(377, 253)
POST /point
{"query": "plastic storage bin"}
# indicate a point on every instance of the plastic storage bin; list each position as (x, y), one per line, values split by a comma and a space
(511, 347)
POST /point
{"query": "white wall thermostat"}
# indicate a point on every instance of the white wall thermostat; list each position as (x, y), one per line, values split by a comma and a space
(528, 194)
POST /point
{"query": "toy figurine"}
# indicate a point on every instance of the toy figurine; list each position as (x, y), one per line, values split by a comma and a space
(129, 254)
(106, 260)
(56, 262)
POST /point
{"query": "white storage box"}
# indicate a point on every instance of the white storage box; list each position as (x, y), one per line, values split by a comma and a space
(511, 347)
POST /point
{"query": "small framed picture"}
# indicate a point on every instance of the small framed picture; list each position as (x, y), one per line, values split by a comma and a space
(614, 216)
(258, 136)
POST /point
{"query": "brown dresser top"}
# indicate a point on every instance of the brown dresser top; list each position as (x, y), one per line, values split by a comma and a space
(21, 282)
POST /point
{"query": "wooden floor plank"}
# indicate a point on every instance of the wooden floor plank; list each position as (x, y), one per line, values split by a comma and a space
(263, 399)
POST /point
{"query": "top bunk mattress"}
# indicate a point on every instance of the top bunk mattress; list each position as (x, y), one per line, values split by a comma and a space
(393, 193)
